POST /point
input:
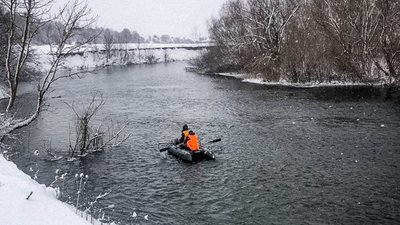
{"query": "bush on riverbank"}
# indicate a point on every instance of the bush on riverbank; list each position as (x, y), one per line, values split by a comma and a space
(309, 41)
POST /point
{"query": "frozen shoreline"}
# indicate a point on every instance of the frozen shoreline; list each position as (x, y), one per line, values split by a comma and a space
(42, 207)
(285, 83)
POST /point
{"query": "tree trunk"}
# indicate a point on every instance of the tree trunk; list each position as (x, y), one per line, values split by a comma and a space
(389, 63)
(13, 95)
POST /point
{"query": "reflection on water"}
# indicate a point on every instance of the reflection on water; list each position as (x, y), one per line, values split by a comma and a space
(287, 156)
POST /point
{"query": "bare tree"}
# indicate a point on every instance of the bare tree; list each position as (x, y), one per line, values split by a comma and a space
(84, 133)
(367, 31)
(138, 49)
(125, 38)
(253, 31)
(149, 57)
(108, 43)
(87, 138)
(25, 18)
(228, 32)
(72, 17)
(167, 57)
(3, 40)
(267, 21)
(390, 38)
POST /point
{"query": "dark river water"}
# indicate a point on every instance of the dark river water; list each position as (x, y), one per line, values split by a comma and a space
(287, 155)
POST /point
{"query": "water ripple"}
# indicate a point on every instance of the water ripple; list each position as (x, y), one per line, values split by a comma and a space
(287, 156)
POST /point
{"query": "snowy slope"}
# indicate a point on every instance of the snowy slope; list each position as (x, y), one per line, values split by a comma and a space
(42, 208)
(91, 56)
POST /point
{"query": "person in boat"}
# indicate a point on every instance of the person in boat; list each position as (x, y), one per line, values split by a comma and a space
(192, 142)
(184, 135)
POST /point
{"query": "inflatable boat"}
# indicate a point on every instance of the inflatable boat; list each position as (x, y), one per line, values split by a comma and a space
(187, 156)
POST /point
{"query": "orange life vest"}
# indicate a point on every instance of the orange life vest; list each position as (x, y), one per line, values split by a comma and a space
(193, 142)
(186, 134)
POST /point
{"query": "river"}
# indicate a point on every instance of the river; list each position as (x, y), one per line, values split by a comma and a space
(287, 155)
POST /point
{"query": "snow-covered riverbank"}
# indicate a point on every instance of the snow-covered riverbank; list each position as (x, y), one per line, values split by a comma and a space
(245, 78)
(41, 208)
(91, 56)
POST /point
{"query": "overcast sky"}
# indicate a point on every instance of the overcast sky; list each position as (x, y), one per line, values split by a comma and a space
(175, 17)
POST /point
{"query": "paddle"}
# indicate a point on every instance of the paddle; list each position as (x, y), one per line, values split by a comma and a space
(213, 141)
(165, 143)
(164, 149)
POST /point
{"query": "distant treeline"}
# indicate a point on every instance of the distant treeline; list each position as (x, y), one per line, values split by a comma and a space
(307, 40)
(49, 33)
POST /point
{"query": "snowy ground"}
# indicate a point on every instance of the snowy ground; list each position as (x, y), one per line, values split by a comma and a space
(90, 56)
(282, 82)
(304, 85)
(42, 207)
(3, 93)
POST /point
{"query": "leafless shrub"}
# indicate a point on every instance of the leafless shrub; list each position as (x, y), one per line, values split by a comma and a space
(89, 139)
(149, 57)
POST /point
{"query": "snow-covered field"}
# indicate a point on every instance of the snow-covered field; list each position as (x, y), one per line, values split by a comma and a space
(90, 56)
(42, 207)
